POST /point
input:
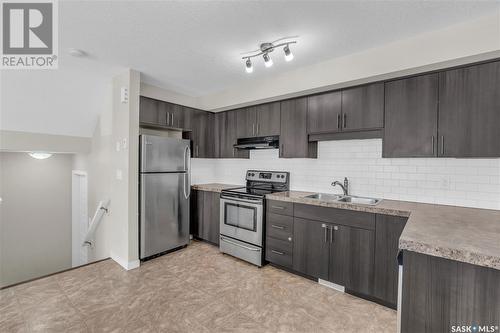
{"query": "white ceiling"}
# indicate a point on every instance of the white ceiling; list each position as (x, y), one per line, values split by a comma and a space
(193, 48)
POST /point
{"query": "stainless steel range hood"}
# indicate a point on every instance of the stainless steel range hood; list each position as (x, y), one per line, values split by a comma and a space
(263, 142)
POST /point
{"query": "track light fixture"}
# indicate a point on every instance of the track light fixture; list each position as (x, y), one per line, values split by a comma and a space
(266, 48)
(268, 62)
(249, 67)
(288, 53)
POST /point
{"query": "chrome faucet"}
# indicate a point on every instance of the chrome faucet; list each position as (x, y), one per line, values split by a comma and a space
(345, 186)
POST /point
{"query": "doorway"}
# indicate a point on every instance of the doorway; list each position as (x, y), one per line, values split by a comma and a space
(80, 219)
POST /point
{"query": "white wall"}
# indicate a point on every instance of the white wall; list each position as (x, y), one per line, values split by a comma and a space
(35, 216)
(463, 182)
(124, 170)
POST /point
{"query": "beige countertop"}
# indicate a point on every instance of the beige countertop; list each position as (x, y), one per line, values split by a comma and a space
(469, 235)
(213, 187)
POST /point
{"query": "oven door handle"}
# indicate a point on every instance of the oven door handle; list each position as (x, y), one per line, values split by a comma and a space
(254, 202)
(237, 244)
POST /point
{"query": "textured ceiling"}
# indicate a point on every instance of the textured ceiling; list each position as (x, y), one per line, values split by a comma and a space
(194, 47)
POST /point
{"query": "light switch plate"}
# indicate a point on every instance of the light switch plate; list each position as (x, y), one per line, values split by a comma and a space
(124, 95)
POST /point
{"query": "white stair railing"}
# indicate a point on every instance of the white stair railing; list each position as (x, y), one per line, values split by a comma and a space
(102, 208)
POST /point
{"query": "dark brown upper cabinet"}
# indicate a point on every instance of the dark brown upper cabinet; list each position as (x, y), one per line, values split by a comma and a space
(363, 108)
(226, 136)
(324, 113)
(411, 111)
(160, 113)
(469, 111)
(293, 138)
(202, 135)
(148, 111)
(246, 122)
(268, 119)
(260, 120)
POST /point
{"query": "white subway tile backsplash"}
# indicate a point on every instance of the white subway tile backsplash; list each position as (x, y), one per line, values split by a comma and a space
(464, 182)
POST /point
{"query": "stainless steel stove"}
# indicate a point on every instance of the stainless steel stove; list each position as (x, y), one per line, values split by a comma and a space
(242, 212)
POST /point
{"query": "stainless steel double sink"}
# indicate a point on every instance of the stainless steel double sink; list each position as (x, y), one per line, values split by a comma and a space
(345, 198)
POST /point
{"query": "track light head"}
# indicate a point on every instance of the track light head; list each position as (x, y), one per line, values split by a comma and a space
(268, 62)
(248, 66)
(288, 53)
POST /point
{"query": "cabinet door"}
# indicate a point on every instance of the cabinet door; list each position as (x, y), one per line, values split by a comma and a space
(324, 113)
(310, 248)
(363, 107)
(211, 213)
(352, 255)
(293, 138)
(469, 111)
(246, 119)
(268, 119)
(387, 232)
(148, 111)
(226, 132)
(203, 134)
(175, 114)
(411, 117)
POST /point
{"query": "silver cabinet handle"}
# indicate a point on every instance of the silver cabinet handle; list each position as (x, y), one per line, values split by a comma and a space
(331, 235)
(253, 129)
(172, 119)
(433, 145)
(338, 120)
(197, 151)
(168, 118)
(289, 239)
(324, 227)
(277, 252)
(277, 207)
(277, 227)
(442, 144)
(345, 121)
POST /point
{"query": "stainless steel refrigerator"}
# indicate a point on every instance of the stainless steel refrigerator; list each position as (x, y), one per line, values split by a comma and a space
(165, 186)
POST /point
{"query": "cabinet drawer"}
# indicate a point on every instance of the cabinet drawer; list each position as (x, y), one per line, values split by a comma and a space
(279, 252)
(337, 216)
(280, 207)
(279, 226)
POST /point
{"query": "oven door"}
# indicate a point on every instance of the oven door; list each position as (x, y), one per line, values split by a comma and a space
(241, 219)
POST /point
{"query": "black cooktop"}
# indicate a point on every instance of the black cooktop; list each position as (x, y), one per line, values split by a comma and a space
(260, 191)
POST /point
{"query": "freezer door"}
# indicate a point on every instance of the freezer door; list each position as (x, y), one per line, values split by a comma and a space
(162, 154)
(164, 219)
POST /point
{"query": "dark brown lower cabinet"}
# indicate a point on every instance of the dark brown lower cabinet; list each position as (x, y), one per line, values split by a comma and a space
(205, 215)
(310, 248)
(439, 294)
(337, 253)
(352, 258)
(388, 229)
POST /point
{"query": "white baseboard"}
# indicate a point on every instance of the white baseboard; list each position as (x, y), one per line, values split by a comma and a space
(128, 265)
(331, 285)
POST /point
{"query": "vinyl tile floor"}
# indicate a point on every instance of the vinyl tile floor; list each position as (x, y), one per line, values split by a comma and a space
(196, 289)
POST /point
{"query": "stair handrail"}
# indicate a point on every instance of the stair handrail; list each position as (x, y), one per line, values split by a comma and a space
(102, 207)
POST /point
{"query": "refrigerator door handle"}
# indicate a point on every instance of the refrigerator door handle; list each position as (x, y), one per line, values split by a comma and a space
(187, 168)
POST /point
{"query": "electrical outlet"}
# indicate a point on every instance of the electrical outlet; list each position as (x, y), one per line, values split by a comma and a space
(445, 183)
